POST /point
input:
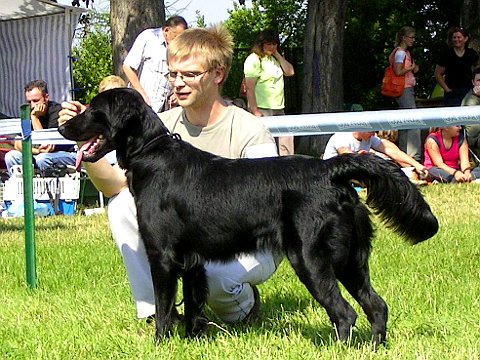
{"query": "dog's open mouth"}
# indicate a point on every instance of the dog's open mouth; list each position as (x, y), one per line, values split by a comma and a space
(91, 151)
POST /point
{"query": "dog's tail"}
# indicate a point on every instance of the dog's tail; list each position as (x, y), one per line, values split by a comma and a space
(390, 194)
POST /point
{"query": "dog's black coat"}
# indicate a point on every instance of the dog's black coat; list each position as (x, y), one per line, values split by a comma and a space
(194, 206)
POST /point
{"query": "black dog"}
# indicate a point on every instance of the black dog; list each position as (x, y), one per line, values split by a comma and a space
(194, 206)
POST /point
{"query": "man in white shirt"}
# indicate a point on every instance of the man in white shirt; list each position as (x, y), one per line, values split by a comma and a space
(362, 142)
(146, 63)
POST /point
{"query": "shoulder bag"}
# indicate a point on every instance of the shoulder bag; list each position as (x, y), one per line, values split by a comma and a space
(392, 84)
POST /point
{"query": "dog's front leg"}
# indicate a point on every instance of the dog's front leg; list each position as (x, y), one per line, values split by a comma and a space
(195, 290)
(165, 289)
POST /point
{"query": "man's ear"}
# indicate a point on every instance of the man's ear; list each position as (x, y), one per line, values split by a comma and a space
(219, 75)
(46, 97)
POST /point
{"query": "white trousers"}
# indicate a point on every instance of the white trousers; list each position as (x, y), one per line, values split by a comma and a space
(230, 290)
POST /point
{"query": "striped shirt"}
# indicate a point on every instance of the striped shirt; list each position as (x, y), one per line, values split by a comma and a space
(148, 56)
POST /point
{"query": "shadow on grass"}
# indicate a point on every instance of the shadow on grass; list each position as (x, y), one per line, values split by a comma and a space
(286, 315)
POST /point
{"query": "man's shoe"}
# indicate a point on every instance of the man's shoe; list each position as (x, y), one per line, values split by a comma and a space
(254, 315)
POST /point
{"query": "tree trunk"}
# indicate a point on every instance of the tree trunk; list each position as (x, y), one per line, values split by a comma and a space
(470, 19)
(128, 19)
(323, 66)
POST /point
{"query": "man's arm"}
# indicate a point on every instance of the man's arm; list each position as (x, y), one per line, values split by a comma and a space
(108, 179)
(132, 77)
(392, 151)
(35, 114)
(344, 150)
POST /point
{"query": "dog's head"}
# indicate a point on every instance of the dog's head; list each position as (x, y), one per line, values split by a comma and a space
(116, 119)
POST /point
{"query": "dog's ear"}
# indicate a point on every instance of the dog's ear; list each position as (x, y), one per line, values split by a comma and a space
(135, 124)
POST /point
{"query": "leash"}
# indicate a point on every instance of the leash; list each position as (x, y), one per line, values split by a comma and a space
(152, 142)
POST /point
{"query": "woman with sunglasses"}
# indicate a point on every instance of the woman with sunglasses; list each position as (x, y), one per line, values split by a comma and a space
(409, 141)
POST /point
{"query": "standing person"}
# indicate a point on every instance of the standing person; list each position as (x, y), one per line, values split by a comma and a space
(44, 115)
(446, 156)
(199, 61)
(401, 58)
(454, 68)
(264, 69)
(146, 63)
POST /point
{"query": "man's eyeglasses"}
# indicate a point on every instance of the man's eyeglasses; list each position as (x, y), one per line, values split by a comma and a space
(187, 76)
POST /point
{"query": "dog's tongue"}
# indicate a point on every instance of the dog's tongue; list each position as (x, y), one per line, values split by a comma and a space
(84, 147)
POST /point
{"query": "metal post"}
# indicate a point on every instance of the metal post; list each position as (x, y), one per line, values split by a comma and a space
(31, 272)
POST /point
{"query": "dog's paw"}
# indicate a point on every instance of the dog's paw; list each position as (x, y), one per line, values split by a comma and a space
(199, 327)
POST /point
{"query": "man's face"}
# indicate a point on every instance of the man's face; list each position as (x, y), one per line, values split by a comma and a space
(476, 80)
(35, 97)
(192, 83)
(366, 135)
(171, 32)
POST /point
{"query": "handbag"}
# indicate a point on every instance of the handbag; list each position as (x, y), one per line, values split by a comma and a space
(392, 84)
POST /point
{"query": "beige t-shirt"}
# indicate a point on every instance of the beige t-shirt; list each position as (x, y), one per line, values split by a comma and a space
(238, 134)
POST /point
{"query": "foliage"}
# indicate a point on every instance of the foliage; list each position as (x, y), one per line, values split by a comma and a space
(369, 38)
(92, 54)
(370, 31)
(200, 20)
(82, 307)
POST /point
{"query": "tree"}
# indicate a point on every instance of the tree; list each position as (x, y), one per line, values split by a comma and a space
(128, 19)
(323, 66)
(92, 54)
(470, 19)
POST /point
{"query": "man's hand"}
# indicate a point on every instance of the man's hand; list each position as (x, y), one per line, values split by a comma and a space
(476, 90)
(39, 110)
(46, 148)
(69, 110)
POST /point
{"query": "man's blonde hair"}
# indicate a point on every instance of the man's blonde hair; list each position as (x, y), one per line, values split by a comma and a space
(111, 82)
(212, 47)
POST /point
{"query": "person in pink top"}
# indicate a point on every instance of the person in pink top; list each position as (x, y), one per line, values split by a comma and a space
(446, 156)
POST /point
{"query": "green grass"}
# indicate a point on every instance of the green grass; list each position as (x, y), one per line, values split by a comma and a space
(82, 308)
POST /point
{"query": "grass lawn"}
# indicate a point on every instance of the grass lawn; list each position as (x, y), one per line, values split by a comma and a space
(82, 308)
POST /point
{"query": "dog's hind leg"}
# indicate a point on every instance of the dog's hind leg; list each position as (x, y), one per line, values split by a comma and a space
(319, 277)
(357, 282)
(195, 290)
(354, 275)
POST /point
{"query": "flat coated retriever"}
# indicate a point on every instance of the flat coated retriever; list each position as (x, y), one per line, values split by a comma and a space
(194, 206)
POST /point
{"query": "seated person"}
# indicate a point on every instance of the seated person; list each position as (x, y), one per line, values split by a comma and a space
(473, 99)
(362, 142)
(44, 115)
(111, 82)
(446, 156)
(107, 83)
(5, 146)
